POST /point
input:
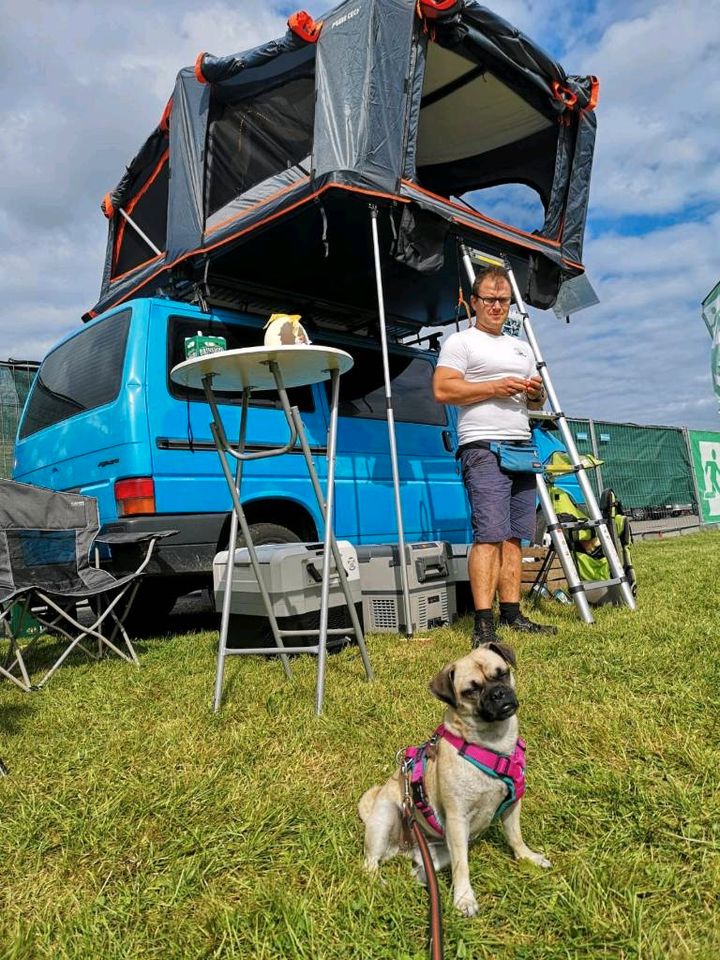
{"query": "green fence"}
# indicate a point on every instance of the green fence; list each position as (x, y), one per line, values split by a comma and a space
(16, 377)
(648, 467)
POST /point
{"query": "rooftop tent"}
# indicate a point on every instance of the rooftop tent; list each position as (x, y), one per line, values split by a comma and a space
(277, 152)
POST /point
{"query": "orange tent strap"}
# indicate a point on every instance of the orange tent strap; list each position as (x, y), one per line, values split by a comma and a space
(462, 302)
(594, 93)
(436, 9)
(198, 68)
(302, 25)
(564, 94)
(164, 124)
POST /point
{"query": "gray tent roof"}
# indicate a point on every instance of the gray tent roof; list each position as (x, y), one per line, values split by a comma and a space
(276, 152)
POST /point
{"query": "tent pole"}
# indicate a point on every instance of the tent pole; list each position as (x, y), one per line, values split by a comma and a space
(139, 232)
(391, 425)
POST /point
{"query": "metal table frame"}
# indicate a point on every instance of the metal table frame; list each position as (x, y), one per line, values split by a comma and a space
(260, 368)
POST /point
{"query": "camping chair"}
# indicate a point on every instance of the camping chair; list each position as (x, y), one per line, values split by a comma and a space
(581, 536)
(45, 571)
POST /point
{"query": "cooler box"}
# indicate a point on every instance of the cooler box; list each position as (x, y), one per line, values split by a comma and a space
(460, 577)
(432, 594)
(458, 561)
(292, 574)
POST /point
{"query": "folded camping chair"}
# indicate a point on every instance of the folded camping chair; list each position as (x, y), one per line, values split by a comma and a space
(581, 536)
(45, 571)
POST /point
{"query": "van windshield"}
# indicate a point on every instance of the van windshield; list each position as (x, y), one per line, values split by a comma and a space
(81, 374)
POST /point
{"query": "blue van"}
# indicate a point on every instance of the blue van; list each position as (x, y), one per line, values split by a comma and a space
(104, 419)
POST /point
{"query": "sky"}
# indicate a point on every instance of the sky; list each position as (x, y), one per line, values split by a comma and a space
(86, 82)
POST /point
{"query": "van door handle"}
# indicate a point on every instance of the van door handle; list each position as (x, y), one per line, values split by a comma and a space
(447, 439)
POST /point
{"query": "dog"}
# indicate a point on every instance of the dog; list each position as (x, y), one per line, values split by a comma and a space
(479, 690)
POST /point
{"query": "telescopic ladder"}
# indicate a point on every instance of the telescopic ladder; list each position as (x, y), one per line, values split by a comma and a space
(576, 587)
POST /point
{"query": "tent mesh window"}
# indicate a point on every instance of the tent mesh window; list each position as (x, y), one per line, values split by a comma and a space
(254, 139)
(148, 209)
(16, 378)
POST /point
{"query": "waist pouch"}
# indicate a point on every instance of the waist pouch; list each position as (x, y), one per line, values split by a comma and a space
(512, 457)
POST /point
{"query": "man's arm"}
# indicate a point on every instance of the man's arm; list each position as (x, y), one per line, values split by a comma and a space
(449, 386)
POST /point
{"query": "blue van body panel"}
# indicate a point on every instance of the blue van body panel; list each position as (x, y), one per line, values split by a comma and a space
(89, 451)
(147, 431)
(547, 442)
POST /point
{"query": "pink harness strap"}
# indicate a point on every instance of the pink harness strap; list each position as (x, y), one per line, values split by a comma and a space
(502, 765)
(508, 768)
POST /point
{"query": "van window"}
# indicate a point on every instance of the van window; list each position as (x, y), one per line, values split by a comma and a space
(362, 388)
(236, 336)
(81, 374)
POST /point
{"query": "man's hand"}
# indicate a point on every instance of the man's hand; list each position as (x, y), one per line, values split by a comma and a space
(535, 391)
(509, 386)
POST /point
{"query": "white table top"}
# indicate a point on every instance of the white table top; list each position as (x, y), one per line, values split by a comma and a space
(238, 370)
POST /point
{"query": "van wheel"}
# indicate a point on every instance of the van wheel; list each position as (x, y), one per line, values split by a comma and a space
(262, 533)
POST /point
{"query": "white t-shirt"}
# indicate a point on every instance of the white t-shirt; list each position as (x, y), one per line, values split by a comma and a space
(480, 356)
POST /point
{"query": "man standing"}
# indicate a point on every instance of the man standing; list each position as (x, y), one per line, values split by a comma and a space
(491, 377)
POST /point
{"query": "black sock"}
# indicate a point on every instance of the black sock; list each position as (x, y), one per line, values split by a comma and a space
(509, 611)
(485, 614)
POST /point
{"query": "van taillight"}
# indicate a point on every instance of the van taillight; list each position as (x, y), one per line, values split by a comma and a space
(135, 495)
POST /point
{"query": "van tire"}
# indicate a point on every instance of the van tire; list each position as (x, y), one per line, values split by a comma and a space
(270, 533)
(262, 533)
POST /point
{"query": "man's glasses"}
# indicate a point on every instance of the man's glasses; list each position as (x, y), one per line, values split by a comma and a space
(489, 301)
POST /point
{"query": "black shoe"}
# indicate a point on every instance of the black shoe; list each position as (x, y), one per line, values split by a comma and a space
(484, 632)
(523, 625)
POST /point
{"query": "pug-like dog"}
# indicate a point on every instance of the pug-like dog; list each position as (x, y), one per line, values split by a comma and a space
(479, 691)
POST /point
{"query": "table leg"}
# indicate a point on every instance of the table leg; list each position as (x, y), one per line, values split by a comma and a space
(332, 435)
(237, 517)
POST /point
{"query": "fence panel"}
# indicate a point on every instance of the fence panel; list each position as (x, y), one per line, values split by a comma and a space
(648, 467)
(16, 378)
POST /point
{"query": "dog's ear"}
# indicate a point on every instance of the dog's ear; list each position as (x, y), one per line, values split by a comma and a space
(504, 651)
(443, 686)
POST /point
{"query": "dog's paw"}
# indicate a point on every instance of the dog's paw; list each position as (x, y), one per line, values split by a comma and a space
(537, 858)
(467, 905)
(371, 865)
(418, 871)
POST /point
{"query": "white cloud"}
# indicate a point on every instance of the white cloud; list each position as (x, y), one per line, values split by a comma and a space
(85, 83)
(659, 109)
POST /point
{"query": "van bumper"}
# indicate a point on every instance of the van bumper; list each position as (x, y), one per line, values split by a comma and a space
(189, 553)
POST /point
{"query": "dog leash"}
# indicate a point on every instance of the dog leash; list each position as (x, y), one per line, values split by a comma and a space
(412, 828)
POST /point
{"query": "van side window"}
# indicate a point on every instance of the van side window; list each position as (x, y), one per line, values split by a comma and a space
(236, 336)
(81, 374)
(362, 388)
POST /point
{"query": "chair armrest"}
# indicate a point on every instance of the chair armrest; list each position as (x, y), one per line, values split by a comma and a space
(125, 539)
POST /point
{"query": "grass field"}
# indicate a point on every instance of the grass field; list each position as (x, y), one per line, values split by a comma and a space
(135, 823)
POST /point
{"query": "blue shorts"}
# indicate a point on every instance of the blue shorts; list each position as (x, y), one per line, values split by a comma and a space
(502, 505)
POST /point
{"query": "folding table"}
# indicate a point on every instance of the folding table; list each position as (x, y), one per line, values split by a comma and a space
(260, 368)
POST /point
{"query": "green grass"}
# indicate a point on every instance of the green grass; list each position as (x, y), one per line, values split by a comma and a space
(135, 823)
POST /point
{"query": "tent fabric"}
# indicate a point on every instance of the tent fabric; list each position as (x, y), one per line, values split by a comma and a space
(384, 107)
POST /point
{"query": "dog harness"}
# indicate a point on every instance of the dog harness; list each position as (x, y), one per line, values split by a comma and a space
(510, 768)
